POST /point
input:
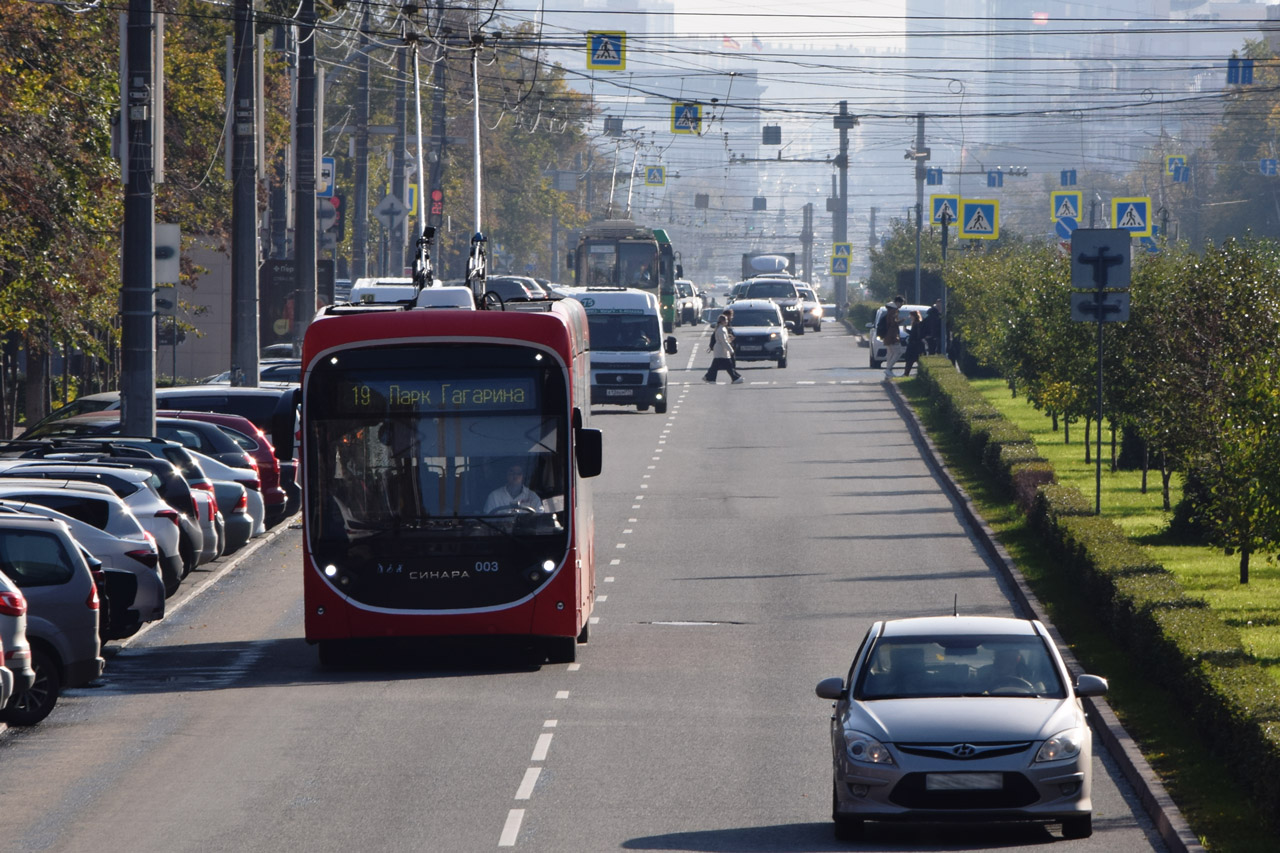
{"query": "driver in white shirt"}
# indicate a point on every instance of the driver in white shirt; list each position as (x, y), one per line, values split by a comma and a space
(513, 494)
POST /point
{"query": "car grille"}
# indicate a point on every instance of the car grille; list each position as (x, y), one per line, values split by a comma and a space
(910, 793)
(613, 365)
(604, 378)
(963, 751)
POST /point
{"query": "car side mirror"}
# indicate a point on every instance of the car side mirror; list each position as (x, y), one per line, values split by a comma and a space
(283, 422)
(831, 688)
(669, 346)
(589, 451)
(1091, 685)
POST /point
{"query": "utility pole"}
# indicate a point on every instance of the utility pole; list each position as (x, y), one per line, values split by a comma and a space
(137, 292)
(840, 216)
(920, 154)
(360, 209)
(304, 200)
(244, 203)
(806, 242)
(435, 210)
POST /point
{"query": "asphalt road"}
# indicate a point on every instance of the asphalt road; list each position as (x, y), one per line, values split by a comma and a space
(746, 539)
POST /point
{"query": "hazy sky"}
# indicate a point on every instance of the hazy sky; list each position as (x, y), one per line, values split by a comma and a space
(786, 21)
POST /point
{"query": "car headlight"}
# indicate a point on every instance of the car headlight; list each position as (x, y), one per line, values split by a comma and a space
(862, 747)
(773, 336)
(1063, 745)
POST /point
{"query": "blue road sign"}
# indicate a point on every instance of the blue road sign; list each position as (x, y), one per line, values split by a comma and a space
(686, 118)
(607, 50)
(1066, 227)
(995, 179)
(1268, 166)
(933, 177)
(980, 219)
(1068, 177)
(1182, 174)
(939, 204)
(324, 177)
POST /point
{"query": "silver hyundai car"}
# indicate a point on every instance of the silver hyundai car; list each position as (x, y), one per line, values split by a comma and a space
(960, 718)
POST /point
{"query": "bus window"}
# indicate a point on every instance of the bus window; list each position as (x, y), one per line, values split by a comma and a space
(602, 264)
(638, 262)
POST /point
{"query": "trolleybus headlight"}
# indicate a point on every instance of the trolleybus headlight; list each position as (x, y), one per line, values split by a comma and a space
(548, 565)
(330, 570)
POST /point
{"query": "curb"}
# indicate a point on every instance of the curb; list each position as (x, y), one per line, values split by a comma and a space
(1159, 806)
(233, 563)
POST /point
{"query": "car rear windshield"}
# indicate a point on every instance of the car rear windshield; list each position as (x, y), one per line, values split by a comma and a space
(901, 667)
(34, 558)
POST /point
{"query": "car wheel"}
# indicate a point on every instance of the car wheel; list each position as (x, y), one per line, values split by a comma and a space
(660, 408)
(846, 828)
(782, 362)
(875, 364)
(561, 649)
(799, 328)
(817, 327)
(1077, 827)
(32, 706)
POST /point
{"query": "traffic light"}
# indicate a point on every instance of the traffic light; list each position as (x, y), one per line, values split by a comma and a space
(340, 208)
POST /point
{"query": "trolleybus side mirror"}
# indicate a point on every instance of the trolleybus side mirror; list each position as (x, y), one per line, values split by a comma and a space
(669, 345)
(568, 260)
(589, 451)
(679, 270)
(284, 421)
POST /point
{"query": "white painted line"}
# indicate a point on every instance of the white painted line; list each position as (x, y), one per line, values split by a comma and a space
(635, 506)
(550, 724)
(610, 578)
(644, 485)
(632, 520)
(650, 468)
(806, 382)
(511, 828)
(614, 562)
(562, 694)
(621, 545)
(602, 598)
(525, 791)
(594, 620)
(574, 667)
(540, 751)
(626, 530)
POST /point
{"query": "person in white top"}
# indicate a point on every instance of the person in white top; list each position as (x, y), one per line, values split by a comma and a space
(513, 494)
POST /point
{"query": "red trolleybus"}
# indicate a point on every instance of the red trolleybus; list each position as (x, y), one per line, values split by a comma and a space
(443, 457)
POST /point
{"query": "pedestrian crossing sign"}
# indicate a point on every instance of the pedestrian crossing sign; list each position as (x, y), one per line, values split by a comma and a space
(1132, 215)
(1064, 205)
(980, 218)
(839, 264)
(607, 50)
(841, 250)
(655, 176)
(940, 203)
(686, 118)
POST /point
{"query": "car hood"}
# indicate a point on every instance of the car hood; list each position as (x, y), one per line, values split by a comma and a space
(979, 718)
(755, 330)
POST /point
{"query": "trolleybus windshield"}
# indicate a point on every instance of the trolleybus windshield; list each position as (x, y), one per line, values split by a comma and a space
(622, 263)
(411, 450)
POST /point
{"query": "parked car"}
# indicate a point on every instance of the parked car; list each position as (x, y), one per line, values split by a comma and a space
(97, 504)
(688, 303)
(272, 370)
(811, 308)
(13, 635)
(42, 558)
(247, 478)
(514, 288)
(6, 679)
(133, 603)
(269, 408)
(207, 438)
(247, 434)
(759, 333)
(779, 288)
(960, 718)
(878, 348)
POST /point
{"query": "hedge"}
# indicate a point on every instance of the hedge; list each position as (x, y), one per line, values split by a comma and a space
(1183, 645)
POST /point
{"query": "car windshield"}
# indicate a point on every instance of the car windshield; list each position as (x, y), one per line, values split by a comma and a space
(807, 294)
(623, 331)
(966, 665)
(755, 317)
(772, 290)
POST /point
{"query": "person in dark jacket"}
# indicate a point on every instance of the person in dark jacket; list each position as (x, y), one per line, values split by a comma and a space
(915, 343)
(932, 330)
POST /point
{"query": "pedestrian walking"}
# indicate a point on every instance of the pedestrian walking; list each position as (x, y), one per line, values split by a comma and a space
(721, 349)
(892, 337)
(915, 343)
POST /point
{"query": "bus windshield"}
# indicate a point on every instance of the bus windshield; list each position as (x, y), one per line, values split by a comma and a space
(621, 263)
(402, 444)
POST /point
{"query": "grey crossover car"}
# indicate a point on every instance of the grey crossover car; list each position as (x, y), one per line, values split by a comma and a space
(46, 563)
(960, 718)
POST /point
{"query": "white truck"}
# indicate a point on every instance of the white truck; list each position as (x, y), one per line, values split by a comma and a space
(628, 354)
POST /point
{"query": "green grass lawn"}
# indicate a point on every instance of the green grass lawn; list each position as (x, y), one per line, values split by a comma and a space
(1217, 808)
(1205, 573)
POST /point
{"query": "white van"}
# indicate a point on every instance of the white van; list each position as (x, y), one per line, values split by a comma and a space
(378, 290)
(628, 354)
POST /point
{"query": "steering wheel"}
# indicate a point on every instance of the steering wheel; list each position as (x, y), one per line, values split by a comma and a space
(1012, 682)
(521, 509)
